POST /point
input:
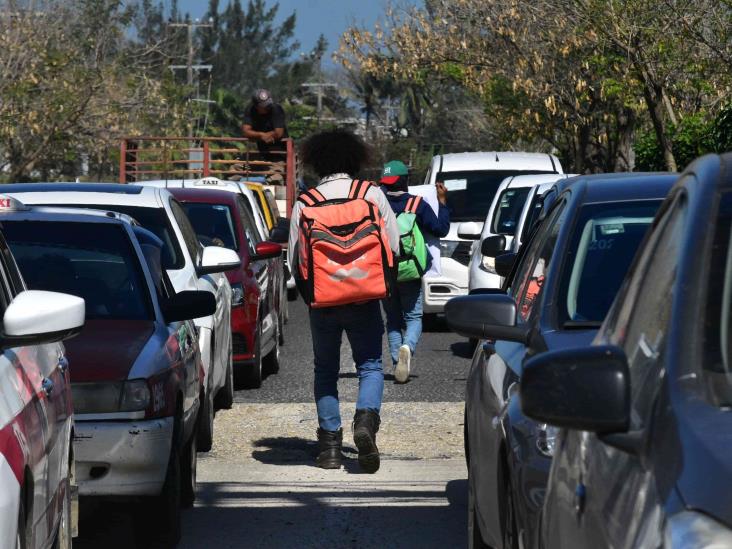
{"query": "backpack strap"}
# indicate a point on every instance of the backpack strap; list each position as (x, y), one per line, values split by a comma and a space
(311, 197)
(412, 204)
(359, 188)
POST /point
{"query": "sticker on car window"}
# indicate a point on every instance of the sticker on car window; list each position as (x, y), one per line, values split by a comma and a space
(456, 184)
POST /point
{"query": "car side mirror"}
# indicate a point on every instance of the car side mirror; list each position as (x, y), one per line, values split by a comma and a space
(504, 264)
(493, 246)
(266, 250)
(35, 317)
(187, 305)
(217, 260)
(587, 389)
(490, 316)
(470, 230)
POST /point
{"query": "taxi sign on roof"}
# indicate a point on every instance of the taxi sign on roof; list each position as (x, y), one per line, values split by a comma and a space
(209, 181)
(10, 204)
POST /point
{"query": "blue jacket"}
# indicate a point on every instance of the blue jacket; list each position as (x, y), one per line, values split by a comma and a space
(438, 225)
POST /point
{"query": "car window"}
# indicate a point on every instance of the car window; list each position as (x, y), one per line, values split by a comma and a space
(470, 193)
(213, 223)
(530, 276)
(189, 234)
(154, 220)
(537, 203)
(247, 221)
(263, 206)
(715, 362)
(647, 308)
(508, 210)
(272, 203)
(105, 270)
(603, 245)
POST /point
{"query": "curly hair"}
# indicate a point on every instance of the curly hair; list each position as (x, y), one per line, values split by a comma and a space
(336, 151)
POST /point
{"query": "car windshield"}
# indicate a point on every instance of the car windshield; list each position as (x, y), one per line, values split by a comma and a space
(604, 243)
(154, 220)
(104, 270)
(470, 193)
(213, 224)
(508, 210)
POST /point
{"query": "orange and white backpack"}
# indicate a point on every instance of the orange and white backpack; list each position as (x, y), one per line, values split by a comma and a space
(343, 249)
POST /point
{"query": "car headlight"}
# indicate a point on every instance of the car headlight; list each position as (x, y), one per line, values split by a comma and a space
(692, 529)
(447, 247)
(237, 294)
(106, 398)
(488, 264)
(546, 439)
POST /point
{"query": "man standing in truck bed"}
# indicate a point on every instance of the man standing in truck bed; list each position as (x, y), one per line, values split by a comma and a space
(264, 122)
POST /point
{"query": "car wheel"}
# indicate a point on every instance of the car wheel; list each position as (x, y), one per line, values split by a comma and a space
(206, 420)
(225, 396)
(167, 506)
(291, 294)
(21, 536)
(475, 540)
(63, 535)
(510, 532)
(188, 473)
(272, 360)
(281, 328)
(466, 440)
(285, 305)
(253, 378)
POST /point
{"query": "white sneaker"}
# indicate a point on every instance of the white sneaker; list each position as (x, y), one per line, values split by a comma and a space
(401, 372)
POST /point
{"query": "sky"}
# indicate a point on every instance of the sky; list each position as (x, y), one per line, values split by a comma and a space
(329, 17)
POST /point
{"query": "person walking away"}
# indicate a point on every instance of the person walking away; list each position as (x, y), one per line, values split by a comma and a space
(343, 236)
(404, 306)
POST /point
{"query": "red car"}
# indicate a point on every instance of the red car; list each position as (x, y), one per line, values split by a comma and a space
(222, 218)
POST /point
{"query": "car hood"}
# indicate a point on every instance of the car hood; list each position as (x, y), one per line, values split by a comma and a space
(106, 349)
(705, 433)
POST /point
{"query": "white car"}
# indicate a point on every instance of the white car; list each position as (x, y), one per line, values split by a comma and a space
(36, 423)
(472, 180)
(503, 219)
(183, 260)
(273, 316)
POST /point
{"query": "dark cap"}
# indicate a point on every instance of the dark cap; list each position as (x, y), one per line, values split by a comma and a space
(262, 98)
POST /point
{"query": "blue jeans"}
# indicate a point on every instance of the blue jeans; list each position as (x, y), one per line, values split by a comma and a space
(364, 328)
(404, 312)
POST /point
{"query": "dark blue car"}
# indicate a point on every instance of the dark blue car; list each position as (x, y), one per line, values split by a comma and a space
(558, 292)
(644, 455)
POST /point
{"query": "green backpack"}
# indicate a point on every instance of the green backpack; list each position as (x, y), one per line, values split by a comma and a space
(412, 248)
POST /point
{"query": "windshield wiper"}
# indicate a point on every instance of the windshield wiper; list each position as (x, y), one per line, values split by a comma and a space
(581, 324)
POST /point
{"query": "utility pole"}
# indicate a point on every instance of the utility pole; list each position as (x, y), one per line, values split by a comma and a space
(189, 67)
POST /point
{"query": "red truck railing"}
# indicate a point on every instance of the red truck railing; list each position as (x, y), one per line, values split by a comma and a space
(145, 158)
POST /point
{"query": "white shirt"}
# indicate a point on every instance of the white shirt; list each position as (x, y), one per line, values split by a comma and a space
(338, 186)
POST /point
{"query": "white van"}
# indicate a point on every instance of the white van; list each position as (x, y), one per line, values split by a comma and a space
(472, 180)
(503, 218)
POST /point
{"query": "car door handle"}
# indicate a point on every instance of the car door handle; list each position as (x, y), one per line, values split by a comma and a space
(47, 386)
(63, 364)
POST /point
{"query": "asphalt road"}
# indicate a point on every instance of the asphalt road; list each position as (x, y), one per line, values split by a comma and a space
(258, 487)
(439, 368)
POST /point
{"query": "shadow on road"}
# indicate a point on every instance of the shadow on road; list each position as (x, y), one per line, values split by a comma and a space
(294, 451)
(414, 514)
(462, 349)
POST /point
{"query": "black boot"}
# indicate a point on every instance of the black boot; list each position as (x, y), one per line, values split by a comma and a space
(365, 426)
(329, 449)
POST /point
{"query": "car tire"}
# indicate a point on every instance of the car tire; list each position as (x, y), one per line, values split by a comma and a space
(253, 371)
(281, 328)
(206, 421)
(225, 396)
(63, 534)
(285, 305)
(475, 539)
(291, 294)
(189, 465)
(510, 532)
(167, 506)
(466, 440)
(272, 360)
(21, 535)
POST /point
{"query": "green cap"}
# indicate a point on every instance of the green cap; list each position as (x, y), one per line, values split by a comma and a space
(393, 171)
